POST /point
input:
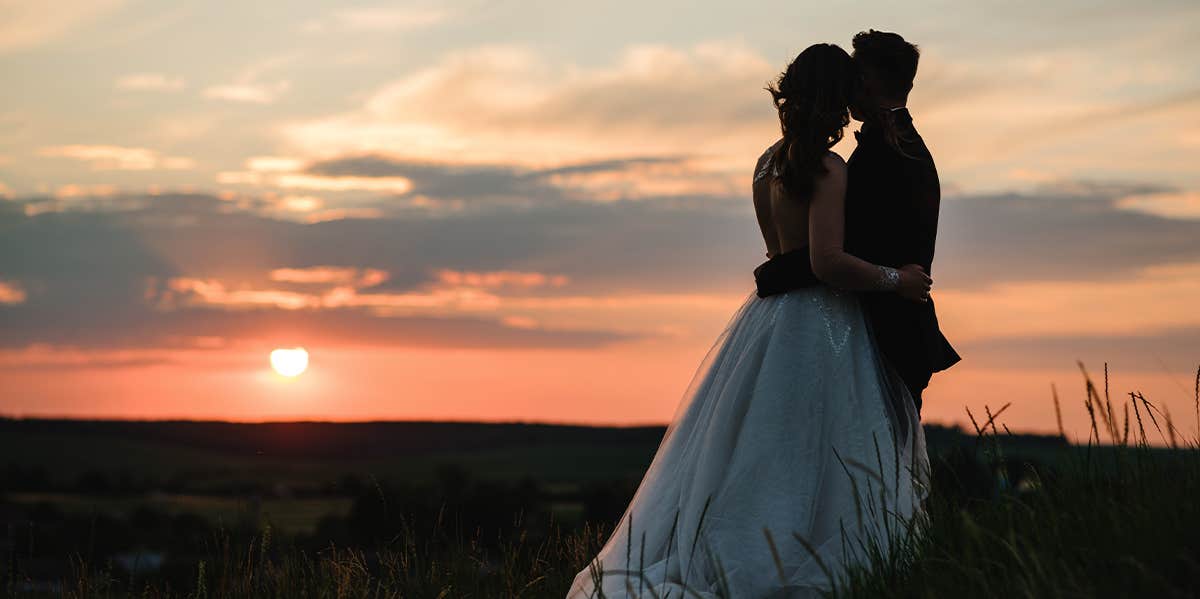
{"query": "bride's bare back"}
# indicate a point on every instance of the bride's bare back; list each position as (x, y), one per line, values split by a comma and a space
(817, 223)
(783, 221)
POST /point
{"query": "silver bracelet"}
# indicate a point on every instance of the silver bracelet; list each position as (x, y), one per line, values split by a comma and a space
(889, 278)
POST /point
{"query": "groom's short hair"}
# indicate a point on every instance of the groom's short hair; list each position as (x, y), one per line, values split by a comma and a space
(892, 59)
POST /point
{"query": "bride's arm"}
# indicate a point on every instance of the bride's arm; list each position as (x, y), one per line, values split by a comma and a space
(826, 234)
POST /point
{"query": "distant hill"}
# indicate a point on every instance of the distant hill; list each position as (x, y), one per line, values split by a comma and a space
(339, 440)
(214, 456)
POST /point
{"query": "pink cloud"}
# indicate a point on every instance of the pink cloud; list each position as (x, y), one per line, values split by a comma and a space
(110, 157)
(358, 277)
(11, 292)
(499, 278)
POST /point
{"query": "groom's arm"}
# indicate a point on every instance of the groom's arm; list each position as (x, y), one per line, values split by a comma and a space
(917, 174)
(927, 199)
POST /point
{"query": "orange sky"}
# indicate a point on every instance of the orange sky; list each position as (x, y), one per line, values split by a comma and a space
(539, 211)
(631, 383)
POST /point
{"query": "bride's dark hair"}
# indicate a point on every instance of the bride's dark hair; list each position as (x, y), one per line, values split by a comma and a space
(813, 98)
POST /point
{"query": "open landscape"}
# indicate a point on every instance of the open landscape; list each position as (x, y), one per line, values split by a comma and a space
(432, 299)
(467, 509)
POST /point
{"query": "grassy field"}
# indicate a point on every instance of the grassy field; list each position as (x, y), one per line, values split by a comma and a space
(1009, 516)
(294, 515)
(67, 457)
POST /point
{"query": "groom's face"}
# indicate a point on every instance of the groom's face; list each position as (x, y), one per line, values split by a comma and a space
(866, 99)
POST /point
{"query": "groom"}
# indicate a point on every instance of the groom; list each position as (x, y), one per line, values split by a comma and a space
(892, 198)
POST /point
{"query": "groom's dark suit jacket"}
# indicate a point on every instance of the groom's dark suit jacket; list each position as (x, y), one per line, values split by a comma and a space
(892, 205)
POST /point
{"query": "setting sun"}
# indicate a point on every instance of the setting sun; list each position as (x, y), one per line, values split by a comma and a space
(289, 362)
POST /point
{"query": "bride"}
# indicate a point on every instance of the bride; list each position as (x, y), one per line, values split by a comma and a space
(795, 443)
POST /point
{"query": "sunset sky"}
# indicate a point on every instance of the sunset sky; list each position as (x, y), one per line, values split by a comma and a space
(541, 210)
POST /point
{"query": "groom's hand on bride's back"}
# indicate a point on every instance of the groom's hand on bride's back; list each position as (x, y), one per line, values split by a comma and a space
(914, 283)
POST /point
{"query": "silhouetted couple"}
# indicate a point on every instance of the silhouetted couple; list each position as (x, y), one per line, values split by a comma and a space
(798, 441)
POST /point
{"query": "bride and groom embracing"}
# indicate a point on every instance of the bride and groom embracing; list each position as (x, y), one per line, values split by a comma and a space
(798, 441)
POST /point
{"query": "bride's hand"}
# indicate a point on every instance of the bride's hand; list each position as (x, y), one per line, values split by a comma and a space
(914, 283)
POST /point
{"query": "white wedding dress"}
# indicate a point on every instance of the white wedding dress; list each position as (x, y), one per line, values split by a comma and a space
(793, 424)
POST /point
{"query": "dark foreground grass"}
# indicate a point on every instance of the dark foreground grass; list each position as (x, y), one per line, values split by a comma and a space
(1112, 520)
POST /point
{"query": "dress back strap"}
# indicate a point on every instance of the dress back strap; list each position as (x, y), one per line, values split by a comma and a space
(765, 161)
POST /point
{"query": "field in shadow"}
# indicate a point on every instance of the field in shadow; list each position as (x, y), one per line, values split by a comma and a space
(452, 509)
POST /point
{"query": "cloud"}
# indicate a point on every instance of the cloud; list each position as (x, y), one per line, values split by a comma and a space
(1167, 204)
(249, 87)
(31, 24)
(300, 181)
(11, 292)
(511, 104)
(637, 176)
(499, 278)
(88, 192)
(252, 93)
(106, 157)
(1153, 300)
(1056, 126)
(44, 358)
(1063, 232)
(301, 203)
(454, 186)
(1125, 351)
(191, 328)
(151, 82)
(441, 181)
(1092, 229)
(518, 105)
(1110, 105)
(136, 29)
(171, 271)
(1007, 264)
(378, 19)
(359, 277)
(447, 292)
(270, 164)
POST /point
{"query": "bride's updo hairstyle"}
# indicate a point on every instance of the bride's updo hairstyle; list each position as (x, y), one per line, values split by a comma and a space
(812, 97)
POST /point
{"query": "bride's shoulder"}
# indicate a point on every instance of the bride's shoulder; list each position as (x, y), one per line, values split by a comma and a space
(834, 163)
(767, 153)
(761, 167)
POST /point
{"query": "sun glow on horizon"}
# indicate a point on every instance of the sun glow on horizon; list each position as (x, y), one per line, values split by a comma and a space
(289, 362)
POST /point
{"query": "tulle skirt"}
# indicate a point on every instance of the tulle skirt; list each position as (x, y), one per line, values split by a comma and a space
(793, 448)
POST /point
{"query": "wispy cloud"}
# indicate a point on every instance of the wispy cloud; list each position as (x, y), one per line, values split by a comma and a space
(249, 85)
(456, 183)
(340, 275)
(302, 181)
(1168, 204)
(249, 92)
(43, 358)
(514, 104)
(270, 164)
(499, 278)
(11, 292)
(151, 82)
(86, 192)
(107, 157)
(448, 291)
(30, 24)
(379, 18)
